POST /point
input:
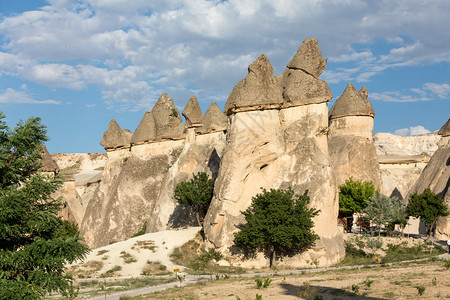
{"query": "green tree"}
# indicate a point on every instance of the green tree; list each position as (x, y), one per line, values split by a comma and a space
(354, 194)
(427, 206)
(35, 243)
(382, 210)
(197, 193)
(279, 222)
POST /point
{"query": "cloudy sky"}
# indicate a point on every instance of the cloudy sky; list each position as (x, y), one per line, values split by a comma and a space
(78, 64)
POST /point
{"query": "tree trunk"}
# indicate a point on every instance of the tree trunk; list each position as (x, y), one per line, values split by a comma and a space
(430, 230)
(272, 258)
(379, 230)
(197, 216)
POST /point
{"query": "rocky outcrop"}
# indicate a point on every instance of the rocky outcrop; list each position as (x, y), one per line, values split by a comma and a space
(114, 137)
(214, 120)
(445, 130)
(350, 143)
(277, 142)
(193, 113)
(259, 90)
(436, 176)
(48, 164)
(402, 159)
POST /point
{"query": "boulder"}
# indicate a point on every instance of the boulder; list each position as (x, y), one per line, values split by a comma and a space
(146, 130)
(259, 90)
(214, 120)
(309, 58)
(193, 113)
(350, 142)
(114, 138)
(299, 82)
(168, 122)
(352, 103)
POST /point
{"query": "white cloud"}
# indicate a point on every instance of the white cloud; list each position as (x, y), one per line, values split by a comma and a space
(427, 92)
(414, 130)
(20, 97)
(134, 50)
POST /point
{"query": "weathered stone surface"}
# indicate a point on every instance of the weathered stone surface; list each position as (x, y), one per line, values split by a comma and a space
(436, 176)
(193, 113)
(259, 90)
(352, 103)
(445, 130)
(168, 122)
(350, 142)
(309, 58)
(214, 120)
(128, 135)
(388, 144)
(47, 162)
(200, 153)
(114, 138)
(146, 130)
(300, 88)
(276, 149)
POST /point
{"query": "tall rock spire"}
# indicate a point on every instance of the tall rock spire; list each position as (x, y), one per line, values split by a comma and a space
(193, 113)
(352, 103)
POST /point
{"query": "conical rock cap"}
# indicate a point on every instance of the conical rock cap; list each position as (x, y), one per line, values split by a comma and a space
(214, 120)
(445, 130)
(168, 122)
(193, 113)
(259, 90)
(146, 130)
(309, 58)
(48, 164)
(113, 137)
(350, 103)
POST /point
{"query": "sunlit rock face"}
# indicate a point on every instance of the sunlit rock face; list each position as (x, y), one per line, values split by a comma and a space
(436, 176)
(278, 142)
(350, 142)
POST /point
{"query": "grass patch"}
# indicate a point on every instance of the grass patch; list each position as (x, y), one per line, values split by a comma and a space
(85, 270)
(149, 245)
(186, 254)
(155, 268)
(111, 272)
(127, 257)
(101, 252)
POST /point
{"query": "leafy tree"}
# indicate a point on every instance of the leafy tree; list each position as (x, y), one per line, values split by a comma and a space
(427, 206)
(279, 222)
(35, 243)
(354, 194)
(382, 210)
(398, 214)
(197, 193)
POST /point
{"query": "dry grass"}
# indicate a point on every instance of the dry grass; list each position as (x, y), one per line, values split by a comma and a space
(150, 245)
(127, 257)
(85, 270)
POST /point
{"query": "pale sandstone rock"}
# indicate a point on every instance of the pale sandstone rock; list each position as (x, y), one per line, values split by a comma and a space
(114, 138)
(387, 144)
(276, 149)
(193, 113)
(309, 58)
(350, 143)
(436, 176)
(259, 90)
(214, 120)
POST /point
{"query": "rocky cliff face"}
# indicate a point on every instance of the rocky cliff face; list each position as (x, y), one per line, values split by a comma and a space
(277, 142)
(436, 176)
(402, 159)
(137, 183)
(350, 143)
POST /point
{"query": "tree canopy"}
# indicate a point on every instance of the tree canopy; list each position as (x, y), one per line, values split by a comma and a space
(197, 193)
(354, 194)
(35, 243)
(278, 222)
(427, 206)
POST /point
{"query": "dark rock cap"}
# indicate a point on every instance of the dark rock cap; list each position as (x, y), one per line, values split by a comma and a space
(259, 90)
(445, 130)
(168, 122)
(146, 130)
(113, 137)
(352, 103)
(309, 58)
(47, 162)
(214, 120)
(193, 113)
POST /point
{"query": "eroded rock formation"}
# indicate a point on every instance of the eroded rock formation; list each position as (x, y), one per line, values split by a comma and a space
(277, 142)
(193, 113)
(436, 176)
(114, 137)
(350, 142)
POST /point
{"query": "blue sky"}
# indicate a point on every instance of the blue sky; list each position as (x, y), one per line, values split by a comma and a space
(79, 64)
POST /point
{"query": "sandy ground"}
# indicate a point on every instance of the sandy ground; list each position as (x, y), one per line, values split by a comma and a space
(396, 282)
(150, 247)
